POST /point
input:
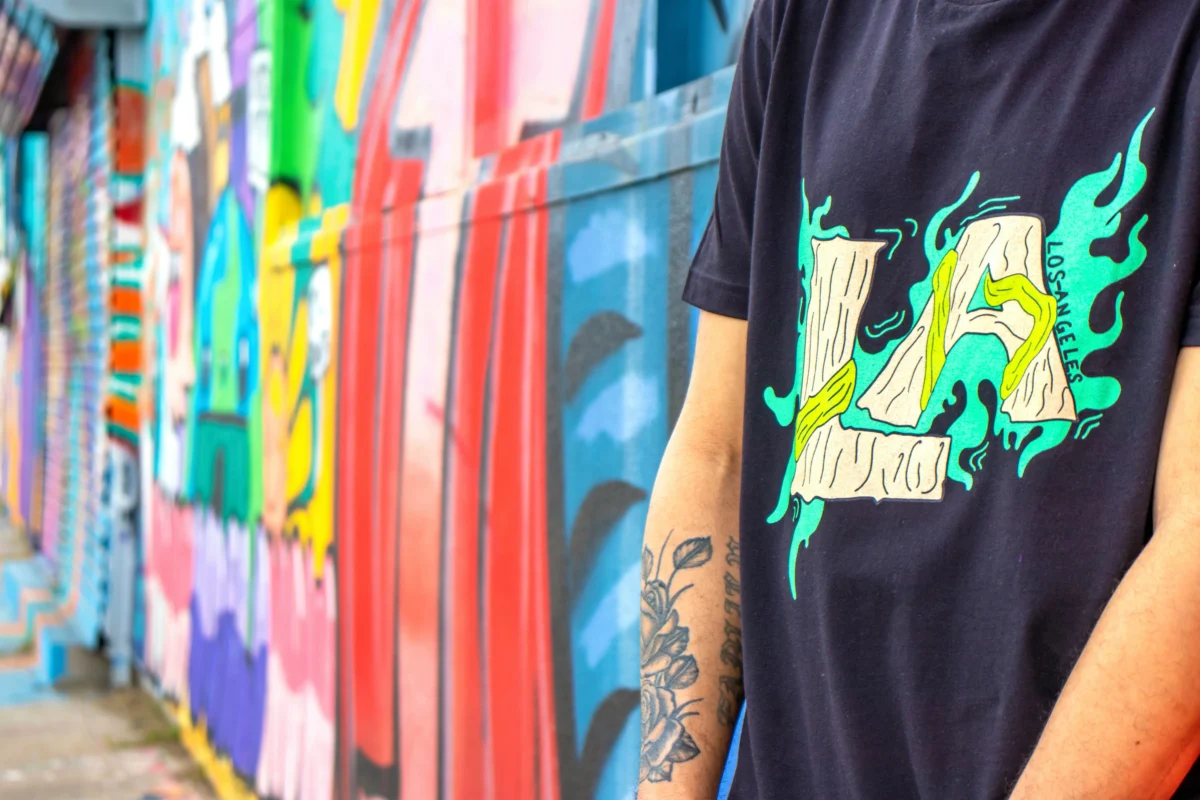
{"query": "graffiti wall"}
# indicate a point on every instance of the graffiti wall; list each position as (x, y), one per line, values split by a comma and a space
(412, 348)
(70, 455)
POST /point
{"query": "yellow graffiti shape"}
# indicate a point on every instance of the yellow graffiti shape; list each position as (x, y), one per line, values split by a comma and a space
(301, 433)
(830, 402)
(935, 345)
(217, 768)
(281, 211)
(276, 286)
(1037, 304)
(361, 19)
(275, 443)
(311, 369)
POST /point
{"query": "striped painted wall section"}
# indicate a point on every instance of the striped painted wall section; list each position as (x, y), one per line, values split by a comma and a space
(84, 589)
(125, 396)
(362, 343)
(68, 214)
(64, 154)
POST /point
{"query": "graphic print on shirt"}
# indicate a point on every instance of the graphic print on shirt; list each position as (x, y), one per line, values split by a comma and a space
(1002, 318)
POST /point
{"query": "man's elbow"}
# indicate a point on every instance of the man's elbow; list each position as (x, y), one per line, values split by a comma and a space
(712, 440)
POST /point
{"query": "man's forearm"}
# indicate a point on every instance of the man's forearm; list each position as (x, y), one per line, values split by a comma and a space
(1128, 721)
(691, 624)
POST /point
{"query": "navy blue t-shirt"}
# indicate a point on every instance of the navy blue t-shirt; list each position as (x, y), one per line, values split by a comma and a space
(965, 236)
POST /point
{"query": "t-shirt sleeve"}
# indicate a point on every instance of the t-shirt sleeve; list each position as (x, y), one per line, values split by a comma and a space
(1191, 328)
(719, 278)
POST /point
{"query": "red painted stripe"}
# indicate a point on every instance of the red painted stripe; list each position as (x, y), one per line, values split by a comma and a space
(384, 500)
(422, 477)
(518, 157)
(510, 736)
(536, 343)
(476, 309)
(350, 407)
(489, 30)
(593, 101)
(365, 548)
(526, 533)
(376, 173)
(129, 213)
(364, 562)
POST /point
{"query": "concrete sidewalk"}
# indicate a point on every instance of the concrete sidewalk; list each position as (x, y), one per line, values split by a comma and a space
(80, 741)
(94, 746)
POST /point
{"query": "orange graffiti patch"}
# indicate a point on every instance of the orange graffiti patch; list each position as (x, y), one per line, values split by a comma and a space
(126, 301)
(130, 121)
(126, 357)
(123, 412)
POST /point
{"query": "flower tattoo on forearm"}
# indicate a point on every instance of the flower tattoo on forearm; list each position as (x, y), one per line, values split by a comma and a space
(667, 667)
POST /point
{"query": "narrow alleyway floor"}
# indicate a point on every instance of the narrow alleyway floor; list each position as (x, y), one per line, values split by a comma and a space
(90, 745)
(82, 741)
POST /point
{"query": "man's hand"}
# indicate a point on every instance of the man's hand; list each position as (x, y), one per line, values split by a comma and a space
(1128, 722)
(691, 634)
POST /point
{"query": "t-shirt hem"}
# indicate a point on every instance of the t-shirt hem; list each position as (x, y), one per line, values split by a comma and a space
(716, 296)
(1191, 332)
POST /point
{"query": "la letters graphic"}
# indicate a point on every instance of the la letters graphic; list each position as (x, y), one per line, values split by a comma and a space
(1004, 302)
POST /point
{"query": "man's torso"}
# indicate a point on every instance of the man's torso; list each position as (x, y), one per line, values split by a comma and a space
(973, 249)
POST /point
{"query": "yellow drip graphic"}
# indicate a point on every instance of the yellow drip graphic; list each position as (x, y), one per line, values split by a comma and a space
(831, 401)
(935, 344)
(1018, 288)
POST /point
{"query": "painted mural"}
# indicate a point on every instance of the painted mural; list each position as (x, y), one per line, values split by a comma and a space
(408, 347)
(70, 456)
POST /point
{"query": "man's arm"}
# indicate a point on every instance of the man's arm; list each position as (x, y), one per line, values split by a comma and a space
(1128, 722)
(691, 640)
